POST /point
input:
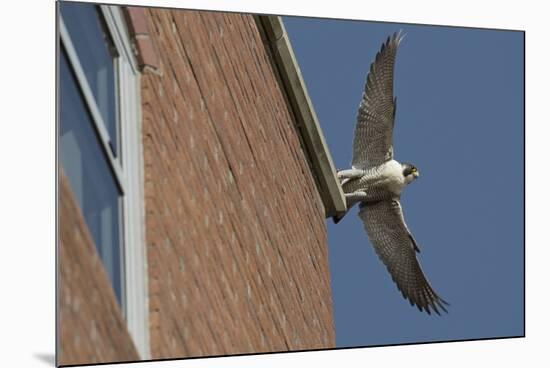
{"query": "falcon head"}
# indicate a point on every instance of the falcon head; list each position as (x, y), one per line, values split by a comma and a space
(410, 172)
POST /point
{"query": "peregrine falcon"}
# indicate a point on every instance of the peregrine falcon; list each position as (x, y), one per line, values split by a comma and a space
(376, 180)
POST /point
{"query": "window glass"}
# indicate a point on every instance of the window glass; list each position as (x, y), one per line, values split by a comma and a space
(92, 181)
(97, 54)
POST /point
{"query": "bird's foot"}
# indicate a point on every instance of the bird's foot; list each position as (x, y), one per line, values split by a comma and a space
(350, 173)
(352, 198)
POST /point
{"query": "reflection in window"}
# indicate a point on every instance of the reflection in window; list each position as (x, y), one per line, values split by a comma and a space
(97, 54)
(91, 179)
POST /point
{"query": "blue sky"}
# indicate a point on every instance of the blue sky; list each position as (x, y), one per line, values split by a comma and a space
(460, 121)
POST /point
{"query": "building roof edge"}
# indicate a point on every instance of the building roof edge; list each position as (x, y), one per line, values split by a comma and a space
(312, 138)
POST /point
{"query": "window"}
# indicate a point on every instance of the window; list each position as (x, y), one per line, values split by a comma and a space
(99, 148)
(92, 181)
(90, 170)
(97, 55)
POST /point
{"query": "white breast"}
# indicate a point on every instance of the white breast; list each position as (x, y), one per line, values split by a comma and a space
(392, 171)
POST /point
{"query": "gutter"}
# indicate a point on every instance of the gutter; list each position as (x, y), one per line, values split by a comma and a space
(312, 138)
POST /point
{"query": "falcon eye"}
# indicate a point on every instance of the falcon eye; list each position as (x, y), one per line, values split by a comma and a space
(413, 169)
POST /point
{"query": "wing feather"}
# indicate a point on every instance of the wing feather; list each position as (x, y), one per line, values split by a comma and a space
(396, 248)
(372, 142)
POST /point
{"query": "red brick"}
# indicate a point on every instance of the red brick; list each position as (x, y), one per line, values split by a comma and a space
(136, 20)
(232, 117)
(147, 56)
(92, 328)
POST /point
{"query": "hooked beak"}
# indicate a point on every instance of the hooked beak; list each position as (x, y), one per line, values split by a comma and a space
(416, 174)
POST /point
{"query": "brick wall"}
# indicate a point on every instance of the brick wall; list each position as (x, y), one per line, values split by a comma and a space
(235, 231)
(91, 327)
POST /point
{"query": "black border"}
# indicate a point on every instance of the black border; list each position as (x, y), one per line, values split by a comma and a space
(56, 109)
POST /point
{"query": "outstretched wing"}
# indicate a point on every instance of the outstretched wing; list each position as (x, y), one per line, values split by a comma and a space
(397, 249)
(372, 142)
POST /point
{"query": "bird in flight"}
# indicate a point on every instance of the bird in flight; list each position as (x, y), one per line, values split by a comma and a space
(376, 180)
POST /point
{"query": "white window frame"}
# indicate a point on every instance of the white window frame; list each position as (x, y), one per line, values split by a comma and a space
(127, 168)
